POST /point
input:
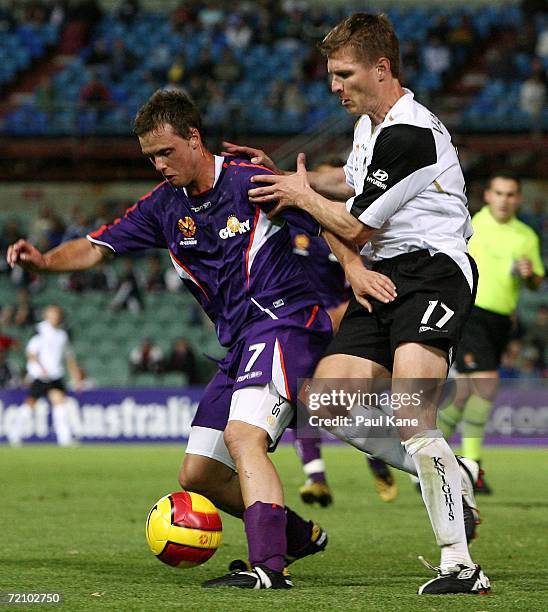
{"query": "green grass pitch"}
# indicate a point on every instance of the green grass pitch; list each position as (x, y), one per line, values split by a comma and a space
(73, 522)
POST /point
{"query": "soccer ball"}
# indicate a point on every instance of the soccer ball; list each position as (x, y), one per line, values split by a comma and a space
(184, 529)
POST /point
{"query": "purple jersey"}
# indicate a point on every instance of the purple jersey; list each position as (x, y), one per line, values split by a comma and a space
(284, 352)
(321, 267)
(236, 262)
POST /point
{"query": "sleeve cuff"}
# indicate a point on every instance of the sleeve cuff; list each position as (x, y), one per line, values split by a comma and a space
(101, 242)
(371, 220)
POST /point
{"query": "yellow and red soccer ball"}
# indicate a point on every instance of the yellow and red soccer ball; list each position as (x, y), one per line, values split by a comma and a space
(184, 529)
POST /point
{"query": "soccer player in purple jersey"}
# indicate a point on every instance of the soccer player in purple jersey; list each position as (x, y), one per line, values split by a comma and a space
(239, 266)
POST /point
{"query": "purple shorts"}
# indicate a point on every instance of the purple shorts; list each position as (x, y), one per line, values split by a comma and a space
(281, 351)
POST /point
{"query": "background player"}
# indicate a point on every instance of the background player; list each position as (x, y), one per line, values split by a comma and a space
(46, 351)
(410, 212)
(507, 252)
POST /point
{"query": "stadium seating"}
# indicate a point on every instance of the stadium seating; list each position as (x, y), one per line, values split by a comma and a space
(22, 45)
(490, 109)
(496, 106)
(103, 339)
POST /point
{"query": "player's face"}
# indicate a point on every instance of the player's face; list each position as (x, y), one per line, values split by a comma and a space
(503, 198)
(355, 82)
(172, 155)
(53, 315)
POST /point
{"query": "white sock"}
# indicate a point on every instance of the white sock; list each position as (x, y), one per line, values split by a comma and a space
(440, 478)
(382, 442)
(16, 431)
(61, 424)
(315, 466)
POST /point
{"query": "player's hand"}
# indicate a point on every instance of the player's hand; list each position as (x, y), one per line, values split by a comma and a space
(524, 268)
(24, 254)
(365, 282)
(256, 156)
(286, 190)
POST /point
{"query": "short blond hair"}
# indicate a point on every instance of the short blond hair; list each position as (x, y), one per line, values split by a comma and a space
(369, 36)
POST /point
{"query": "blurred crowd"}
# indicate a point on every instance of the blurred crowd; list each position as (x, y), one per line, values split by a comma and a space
(526, 355)
(231, 57)
(149, 358)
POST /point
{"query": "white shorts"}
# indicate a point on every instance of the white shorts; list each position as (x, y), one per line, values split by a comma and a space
(261, 406)
(209, 443)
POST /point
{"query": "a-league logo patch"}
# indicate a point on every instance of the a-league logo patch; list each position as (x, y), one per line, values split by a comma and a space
(187, 227)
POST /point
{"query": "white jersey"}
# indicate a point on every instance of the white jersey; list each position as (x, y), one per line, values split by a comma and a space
(50, 346)
(409, 185)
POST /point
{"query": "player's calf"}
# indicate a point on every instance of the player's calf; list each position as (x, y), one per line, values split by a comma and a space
(214, 480)
(247, 437)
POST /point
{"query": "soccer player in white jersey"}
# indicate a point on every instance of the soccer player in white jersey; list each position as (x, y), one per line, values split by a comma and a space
(46, 351)
(407, 206)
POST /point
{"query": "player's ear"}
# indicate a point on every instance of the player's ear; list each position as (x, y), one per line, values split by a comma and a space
(383, 68)
(195, 140)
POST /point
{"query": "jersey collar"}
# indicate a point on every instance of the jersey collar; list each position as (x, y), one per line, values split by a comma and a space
(218, 169)
(398, 107)
(487, 215)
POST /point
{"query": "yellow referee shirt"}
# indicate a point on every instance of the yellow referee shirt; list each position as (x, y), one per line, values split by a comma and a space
(495, 247)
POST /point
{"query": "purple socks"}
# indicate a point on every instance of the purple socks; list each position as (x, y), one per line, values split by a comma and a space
(272, 531)
(298, 532)
(265, 526)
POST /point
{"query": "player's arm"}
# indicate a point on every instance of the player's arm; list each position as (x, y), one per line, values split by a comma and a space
(405, 159)
(32, 357)
(531, 268)
(256, 156)
(79, 254)
(295, 190)
(331, 183)
(403, 165)
(364, 282)
(73, 368)
(297, 219)
(525, 270)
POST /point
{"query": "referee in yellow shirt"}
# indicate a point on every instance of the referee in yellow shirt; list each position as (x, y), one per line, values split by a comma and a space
(507, 253)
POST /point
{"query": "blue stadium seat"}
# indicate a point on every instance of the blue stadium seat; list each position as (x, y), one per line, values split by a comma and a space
(260, 63)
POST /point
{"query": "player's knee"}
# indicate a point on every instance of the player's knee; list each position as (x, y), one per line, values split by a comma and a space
(241, 438)
(486, 388)
(192, 479)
